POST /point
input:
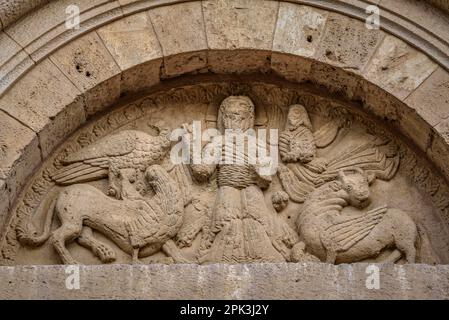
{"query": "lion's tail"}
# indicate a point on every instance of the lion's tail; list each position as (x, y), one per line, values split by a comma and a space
(26, 234)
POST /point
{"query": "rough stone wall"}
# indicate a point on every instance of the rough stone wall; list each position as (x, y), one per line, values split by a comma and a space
(253, 281)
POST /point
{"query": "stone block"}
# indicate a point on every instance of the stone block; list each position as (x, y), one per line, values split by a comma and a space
(19, 156)
(13, 60)
(133, 44)
(89, 65)
(42, 100)
(298, 29)
(242, 24)
(347, 43)
(186, 36)
(431, 99)
(398, 68)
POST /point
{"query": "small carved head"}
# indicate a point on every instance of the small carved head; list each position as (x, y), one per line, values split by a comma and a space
(298, 116)
(236, 112)
(154, 172)
(279, 200)
(355, 182)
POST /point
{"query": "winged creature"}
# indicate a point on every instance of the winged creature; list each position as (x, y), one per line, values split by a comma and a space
(127, 149)
(305, 171)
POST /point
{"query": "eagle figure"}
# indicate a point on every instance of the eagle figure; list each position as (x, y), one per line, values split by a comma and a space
(127, 149)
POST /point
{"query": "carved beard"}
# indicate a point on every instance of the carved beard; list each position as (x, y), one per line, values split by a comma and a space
(229, 123)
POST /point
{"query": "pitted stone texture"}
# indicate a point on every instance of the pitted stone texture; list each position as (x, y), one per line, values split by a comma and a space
(298, 29)
(231, 61)
(122, 38)
(19, 156)
(182, 40)
(44, 100)
(335, 79)
(398, 68)
(217, 281)
(13, 60)
(12, 10)
(240, 24)
(90, 66)
(347, 43)
(42, 29)
(431, 99)
(290, 67)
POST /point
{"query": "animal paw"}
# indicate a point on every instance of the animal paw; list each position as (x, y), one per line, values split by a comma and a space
(105, 254)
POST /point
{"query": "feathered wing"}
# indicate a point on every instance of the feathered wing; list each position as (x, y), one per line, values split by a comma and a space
(325, 135)
(342, 236)
(296, 189)
(110, 146)
(92, 162)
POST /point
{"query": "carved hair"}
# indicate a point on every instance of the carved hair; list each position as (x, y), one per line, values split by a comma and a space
(302, 114)
(226, 103)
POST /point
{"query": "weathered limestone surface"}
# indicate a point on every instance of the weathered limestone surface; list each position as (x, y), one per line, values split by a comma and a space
(399, 68)
(431, 99)
(90, 73)
(12, 10)
(30, 102)
(239, 24)
(186, 36)
(13, 60)
(253, 281)
(44, 30)
(347, 43)
(420, 12)
(299, 39)
(122, 38)
(298, 29)
(90, 66)
(19, 156)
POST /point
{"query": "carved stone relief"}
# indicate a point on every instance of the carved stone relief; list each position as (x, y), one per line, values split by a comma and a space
(346, 189)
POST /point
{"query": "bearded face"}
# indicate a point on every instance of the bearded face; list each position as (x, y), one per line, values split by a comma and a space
(237, 113)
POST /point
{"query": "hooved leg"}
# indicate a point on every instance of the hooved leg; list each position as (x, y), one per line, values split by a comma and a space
(101, 250)
(173, 251)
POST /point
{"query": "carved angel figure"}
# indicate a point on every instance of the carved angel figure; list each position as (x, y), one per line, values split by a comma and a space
(128, 149)
(305, 171)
